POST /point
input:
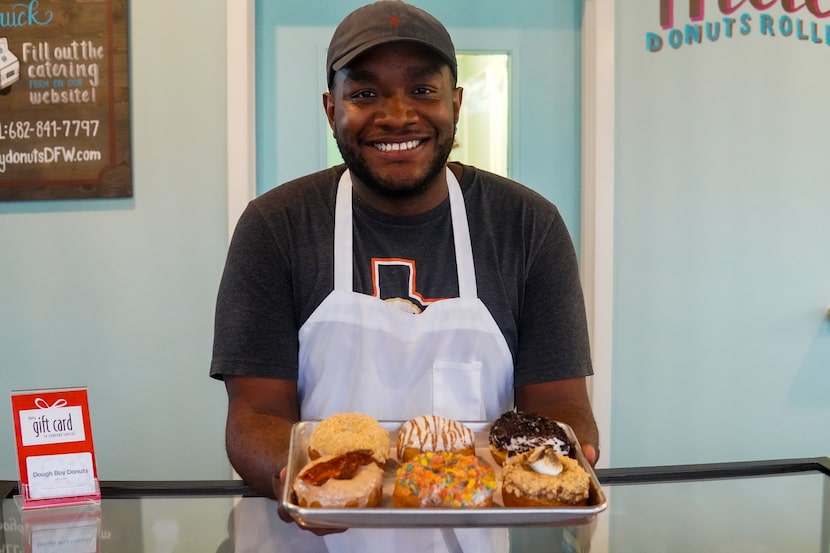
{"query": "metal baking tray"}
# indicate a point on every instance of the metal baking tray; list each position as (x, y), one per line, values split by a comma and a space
(389, 516)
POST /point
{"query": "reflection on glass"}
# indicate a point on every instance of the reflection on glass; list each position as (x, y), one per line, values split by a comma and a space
(482, 136)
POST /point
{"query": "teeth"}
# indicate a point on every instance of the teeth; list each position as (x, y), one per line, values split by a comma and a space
(397, 146)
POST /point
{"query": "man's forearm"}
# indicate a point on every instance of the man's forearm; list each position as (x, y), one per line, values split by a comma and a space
(257, 447)
(579, 417)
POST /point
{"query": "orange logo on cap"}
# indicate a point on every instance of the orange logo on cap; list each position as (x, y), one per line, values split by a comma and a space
(394, 21)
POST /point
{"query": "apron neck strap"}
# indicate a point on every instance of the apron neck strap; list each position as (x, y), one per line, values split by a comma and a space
(343, 276)
(463, 244)
(343, 256)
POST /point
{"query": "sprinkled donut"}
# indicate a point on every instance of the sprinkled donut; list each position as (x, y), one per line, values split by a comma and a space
(444, 479)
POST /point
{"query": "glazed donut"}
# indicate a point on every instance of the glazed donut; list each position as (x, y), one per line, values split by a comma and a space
(339, 481)
(444, 479)
(344, 432)
(517, 432)
(433, 433)
(543, 477)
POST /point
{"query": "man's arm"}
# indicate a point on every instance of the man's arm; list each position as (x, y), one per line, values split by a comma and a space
(565, 401)
(261, 412)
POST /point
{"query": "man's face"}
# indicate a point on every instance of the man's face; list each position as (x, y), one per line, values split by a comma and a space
(393, 112)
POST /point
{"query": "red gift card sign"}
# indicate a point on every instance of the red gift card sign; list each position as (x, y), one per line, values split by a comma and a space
(55, 455)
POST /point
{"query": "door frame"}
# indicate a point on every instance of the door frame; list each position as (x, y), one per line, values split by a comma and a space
(597, 209)
(241, 107)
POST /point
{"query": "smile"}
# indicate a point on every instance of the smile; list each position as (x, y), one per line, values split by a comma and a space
(397, 146)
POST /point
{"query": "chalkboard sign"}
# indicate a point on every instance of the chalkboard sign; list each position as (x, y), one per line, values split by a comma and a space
(64, 100)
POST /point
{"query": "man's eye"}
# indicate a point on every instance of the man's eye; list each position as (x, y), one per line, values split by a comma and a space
(422, 90)
(363, 94)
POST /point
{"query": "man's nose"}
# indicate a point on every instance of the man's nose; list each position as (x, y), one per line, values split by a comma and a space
(396, 110)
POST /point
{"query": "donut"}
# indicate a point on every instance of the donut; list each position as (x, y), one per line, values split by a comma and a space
(444, 479)
(517, 432)
(433, 433)
(344, 432)
(340, 481)
(543, 477)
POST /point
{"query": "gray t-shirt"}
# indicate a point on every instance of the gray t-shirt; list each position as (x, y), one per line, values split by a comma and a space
(280, 267)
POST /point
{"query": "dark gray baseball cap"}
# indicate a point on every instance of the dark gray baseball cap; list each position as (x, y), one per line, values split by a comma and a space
(382, 22)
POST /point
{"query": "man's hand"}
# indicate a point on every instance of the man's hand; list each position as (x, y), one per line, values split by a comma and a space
(564, 401)
(279, 484)
(591, 454)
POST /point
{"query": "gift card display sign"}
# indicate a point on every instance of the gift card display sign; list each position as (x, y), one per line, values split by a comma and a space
(55, 455)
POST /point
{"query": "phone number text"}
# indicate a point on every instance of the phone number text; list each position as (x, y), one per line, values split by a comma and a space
(65, 128)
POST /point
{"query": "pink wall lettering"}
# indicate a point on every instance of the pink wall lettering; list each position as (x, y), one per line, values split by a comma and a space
(728, 7)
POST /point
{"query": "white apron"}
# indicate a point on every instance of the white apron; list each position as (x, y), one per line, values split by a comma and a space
(359, 353)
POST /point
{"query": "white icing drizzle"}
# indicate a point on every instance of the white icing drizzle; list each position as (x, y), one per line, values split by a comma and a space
(434, 433)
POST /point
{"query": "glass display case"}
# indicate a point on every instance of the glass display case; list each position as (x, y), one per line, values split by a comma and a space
(742, 507)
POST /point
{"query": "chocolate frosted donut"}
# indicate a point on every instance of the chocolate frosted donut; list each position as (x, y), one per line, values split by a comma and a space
(517, 432)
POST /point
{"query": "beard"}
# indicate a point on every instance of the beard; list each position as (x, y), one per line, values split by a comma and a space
(396, 188)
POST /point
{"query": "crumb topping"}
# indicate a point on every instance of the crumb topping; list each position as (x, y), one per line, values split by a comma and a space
(570, 486)
(344, 432)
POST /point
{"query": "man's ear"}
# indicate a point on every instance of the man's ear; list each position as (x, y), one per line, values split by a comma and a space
(456, 102)
(328, 107)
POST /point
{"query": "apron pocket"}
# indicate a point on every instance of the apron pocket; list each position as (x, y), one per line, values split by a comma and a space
(456, 390)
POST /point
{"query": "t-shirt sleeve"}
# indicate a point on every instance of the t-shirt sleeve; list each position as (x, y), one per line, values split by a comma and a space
(553, 331)
(255, 328)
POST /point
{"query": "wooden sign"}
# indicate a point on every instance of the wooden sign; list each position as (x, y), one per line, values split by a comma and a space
(64, 100)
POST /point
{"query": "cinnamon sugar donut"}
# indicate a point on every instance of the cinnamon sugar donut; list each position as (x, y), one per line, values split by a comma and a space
(344, 432)
(433, 433)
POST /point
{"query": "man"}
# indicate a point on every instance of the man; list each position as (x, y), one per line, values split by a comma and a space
(320, 311)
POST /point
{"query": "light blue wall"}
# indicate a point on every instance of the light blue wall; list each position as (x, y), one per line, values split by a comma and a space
(722, 268)
(118, 295)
